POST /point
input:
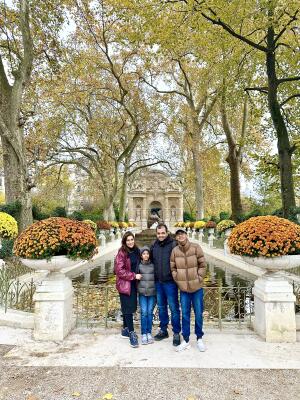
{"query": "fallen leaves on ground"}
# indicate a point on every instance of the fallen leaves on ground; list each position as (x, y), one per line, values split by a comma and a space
(107, 396)
(32, 397)
(76, 394)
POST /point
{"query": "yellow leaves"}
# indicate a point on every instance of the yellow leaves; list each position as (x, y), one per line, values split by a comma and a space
(107, 396)
(76, 394)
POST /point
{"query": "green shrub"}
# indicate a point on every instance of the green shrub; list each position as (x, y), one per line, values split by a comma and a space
(59, 212)
(37, 214)
(224, 215)
(78, 215)
(12, 209)
(188, 217)
(292, 214)
(6, 250)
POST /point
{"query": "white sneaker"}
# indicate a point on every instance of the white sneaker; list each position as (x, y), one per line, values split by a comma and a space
(150, 338)
(201, 345)
(144, 339)
(183, 346)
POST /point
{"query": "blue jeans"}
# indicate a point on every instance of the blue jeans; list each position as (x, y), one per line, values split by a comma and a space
(167, 294)
(186, 301)
(147, 304)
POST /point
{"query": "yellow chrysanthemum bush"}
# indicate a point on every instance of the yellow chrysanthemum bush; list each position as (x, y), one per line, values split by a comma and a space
(199, 224)
(225, 224)
(123, 224)
(54, 237)
(267, 236)
(91, 223)
(8, 226)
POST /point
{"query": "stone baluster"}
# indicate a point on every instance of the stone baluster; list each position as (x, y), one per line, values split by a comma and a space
(123, 231)
(118, 234)
(211, 237)
(200, 236)
(102, 239)
(193, 233)
(227, 234)
(111, 236)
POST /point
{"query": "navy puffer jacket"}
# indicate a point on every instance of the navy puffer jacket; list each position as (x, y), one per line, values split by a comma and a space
(160, 255)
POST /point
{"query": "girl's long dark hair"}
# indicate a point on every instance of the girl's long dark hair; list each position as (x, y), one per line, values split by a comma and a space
(124, 246)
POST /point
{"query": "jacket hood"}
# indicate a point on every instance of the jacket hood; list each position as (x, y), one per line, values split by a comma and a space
(144, 248)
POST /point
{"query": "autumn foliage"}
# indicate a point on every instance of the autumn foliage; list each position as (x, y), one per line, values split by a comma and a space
(56, 236)
(267, 236)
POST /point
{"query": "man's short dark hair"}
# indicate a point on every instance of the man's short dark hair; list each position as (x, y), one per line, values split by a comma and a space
(162, 225)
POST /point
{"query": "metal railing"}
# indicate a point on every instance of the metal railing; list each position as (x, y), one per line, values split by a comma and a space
(100, 306)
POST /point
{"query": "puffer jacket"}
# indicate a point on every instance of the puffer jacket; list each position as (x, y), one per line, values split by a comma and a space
(160, 255)
(146, 285)
(123, 272)
(188, 266)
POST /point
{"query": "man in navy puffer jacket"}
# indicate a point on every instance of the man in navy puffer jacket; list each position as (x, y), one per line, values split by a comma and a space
(166, 288)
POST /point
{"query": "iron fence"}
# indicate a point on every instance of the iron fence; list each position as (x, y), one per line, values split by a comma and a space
(17, 295)
(99, 306)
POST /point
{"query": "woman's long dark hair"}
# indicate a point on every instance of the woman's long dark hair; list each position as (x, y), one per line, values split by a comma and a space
(124, 246)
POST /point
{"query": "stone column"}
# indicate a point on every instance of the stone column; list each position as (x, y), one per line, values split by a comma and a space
(144, 213)
(131, 216)
(53, 317)
(180, 211)
(274, 308)
(166, 212)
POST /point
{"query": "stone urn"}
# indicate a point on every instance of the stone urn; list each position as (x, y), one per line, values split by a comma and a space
(274, 264)
(227, 232)
(274, 300)
(53, 317)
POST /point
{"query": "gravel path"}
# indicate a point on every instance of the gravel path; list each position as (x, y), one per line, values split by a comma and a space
(69, 383)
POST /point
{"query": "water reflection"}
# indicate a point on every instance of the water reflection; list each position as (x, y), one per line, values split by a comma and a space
(215, 276)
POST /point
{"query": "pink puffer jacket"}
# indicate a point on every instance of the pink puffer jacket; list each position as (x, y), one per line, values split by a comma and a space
(123, 272)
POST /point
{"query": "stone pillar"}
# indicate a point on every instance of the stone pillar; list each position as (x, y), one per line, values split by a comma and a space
(131, 216)
(274, 308)
(53, 317)
(180, 211)
(166, 212)
(144, 213)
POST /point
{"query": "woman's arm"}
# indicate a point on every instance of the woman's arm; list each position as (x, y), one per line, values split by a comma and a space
(121, 270)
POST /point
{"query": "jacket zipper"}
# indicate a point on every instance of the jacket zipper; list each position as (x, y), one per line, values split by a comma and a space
(186, 270)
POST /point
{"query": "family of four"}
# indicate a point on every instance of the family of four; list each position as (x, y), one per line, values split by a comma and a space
(154, 275)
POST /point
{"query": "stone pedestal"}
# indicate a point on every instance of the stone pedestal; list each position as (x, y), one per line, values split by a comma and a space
(274, 309)
(53, 318)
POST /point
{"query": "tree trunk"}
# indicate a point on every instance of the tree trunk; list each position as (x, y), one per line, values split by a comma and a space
(283, 142)
(198, 181)
(123, 194)
(108, 212)
(15, 177)
(234, 158)
(235, 186)
(12, 137)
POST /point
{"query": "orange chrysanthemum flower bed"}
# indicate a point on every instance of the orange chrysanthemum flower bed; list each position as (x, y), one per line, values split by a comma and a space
(56, 236)
(266, 236)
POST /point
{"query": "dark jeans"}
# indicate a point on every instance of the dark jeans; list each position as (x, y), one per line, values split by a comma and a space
(167, 294)
(187, 300)
(128, 322)
(147, 304)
